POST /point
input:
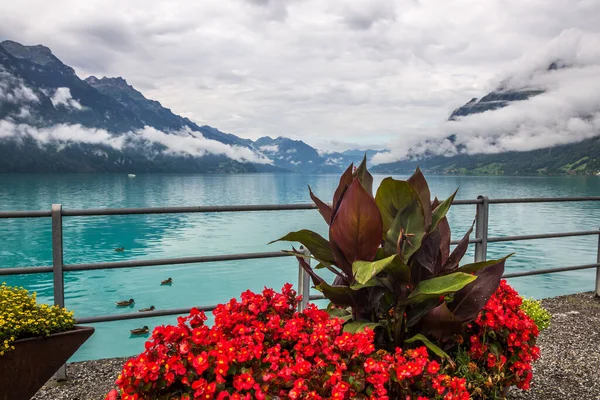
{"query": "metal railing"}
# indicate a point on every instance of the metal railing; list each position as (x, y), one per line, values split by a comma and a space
(58, 268)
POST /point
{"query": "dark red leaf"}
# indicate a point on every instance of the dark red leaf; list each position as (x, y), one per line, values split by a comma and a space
(306, 267)
(418, 182)
(441, 324)
(340, 259)
(445, 238)
(457, 254)
(472, 298)
(425, 259)
(356, 227)
(345, 182)
(323, 208)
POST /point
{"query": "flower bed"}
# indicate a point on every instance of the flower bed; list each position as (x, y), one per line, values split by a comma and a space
(405, 321)
(21, 317)
(261, 348)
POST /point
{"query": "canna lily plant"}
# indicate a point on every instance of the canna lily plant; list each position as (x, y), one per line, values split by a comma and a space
(394, 269)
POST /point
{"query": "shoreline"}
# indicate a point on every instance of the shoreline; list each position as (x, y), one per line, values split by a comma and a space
(568, 368)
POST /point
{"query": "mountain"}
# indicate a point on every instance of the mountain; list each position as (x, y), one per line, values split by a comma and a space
(297, 156)
(53, 121)
(56, 122)
(151, 112)
(581, 158)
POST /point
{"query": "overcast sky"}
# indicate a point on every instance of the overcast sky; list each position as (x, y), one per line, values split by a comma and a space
(337, 74)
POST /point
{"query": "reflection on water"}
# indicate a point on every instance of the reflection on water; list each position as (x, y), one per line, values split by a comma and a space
(26, 242)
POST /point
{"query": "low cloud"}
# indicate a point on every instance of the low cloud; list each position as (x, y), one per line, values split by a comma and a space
(568, 110)
(271, 148)
(62, 97)
(184, 142)
(12, 89)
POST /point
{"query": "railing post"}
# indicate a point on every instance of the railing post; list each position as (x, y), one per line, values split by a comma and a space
(598, 269)
(57, 269)
(303, 281)
(481, 228)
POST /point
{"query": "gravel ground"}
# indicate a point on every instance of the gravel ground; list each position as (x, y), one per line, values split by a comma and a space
(568, 370)
(570, 364)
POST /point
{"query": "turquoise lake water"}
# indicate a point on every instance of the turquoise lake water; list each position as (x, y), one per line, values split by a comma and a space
(26, 242)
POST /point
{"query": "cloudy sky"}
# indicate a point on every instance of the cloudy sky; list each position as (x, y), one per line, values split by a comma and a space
(337, 73)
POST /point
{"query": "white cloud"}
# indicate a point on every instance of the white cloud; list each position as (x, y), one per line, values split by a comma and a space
(62, 97)
(272, 148)
(568, 111)
(24, 112)
(333, 161)
(13, 90)
(185, 142)
(361, 71)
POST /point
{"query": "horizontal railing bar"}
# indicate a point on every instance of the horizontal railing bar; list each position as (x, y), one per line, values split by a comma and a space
(204, 209)
(24, 270)
(551, 270)
(541, 236)
(182, 210)
(544, 200)
(245, 256)
(26, 214)
(466, 202)
(171, 261)
(245, 208)
(138, 315)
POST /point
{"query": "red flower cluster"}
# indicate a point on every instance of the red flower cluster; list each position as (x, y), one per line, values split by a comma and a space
(503, 338)
(261, 348)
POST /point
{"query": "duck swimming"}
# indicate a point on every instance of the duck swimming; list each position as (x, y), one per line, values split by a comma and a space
(151, 308)
(140, 331)
(125, 303)
(167, 282)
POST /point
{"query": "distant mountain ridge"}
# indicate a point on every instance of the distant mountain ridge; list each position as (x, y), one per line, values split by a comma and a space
(38, 91)
(581, 158)
(53, 121)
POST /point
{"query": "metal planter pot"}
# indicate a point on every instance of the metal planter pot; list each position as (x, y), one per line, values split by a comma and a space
(24, 370)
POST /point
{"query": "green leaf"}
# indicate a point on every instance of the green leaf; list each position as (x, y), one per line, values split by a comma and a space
(315, 243)
(439, 286)
(419, 184)
(359, 326)
(474, 267)
(366, 270)
(421, 338)
(496, 349)
(356, 227)
(340, 313)
(401, 211)
(339, 295)
(441, 211)
(364, 176)
(380, 254)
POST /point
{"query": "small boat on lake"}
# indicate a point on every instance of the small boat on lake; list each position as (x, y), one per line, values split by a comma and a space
(131, 175)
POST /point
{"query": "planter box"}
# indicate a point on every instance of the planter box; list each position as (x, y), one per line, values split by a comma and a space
(24, 370)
